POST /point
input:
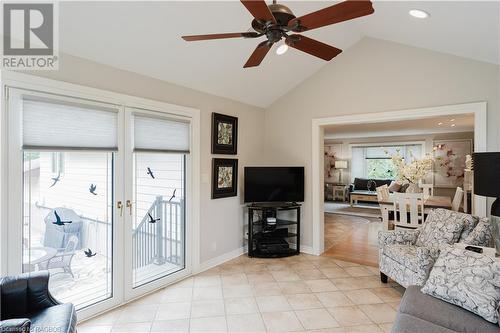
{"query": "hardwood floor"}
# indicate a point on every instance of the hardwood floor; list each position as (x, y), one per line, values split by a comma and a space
(352, 238)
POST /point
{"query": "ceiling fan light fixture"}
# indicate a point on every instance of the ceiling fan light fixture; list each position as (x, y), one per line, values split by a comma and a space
(282, 49)
(418, 13)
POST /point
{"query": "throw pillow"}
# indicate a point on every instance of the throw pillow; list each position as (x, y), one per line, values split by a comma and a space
(394, 187)
(467, 279)
(482, 235)
(469, 225)
(442, 226)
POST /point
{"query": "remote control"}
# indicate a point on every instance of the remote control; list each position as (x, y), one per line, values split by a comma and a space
(474, 249)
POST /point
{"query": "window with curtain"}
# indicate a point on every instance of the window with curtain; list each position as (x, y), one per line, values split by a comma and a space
(375, 161)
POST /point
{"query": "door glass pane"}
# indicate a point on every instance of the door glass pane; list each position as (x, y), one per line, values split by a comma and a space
(158, 223)
(68, 223)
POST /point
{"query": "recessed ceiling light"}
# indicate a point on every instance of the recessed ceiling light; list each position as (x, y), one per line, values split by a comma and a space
(440, 124)
(282, 49)
(419, 13)
(452, 119)
(453, 125)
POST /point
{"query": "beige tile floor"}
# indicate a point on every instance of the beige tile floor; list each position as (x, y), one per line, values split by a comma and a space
(296, 294)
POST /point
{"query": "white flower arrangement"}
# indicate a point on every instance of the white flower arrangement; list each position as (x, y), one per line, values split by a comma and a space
(413, 172)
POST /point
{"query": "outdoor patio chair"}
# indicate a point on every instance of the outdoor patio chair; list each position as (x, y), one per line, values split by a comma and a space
(62, 259)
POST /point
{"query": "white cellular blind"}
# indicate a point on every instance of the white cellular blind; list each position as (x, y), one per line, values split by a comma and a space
(49, 124)
(159, 134)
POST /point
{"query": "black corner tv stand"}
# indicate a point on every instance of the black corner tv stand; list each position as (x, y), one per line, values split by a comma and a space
(273, 230)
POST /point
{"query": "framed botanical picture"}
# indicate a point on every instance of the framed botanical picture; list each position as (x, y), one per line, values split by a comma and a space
(449, 164)
(224, 177)
(224, 134)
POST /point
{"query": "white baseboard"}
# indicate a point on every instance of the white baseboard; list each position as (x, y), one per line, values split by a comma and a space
(210, 263)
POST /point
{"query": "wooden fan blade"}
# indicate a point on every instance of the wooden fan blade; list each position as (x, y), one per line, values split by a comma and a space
(340, 12)
(258, 55)
(221, 36)
(313, 47)
(259, 10)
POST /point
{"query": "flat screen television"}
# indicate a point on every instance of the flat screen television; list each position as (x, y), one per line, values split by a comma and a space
(274, 184)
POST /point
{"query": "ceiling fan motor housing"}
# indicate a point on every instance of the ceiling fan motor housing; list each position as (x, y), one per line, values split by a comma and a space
(275, 31)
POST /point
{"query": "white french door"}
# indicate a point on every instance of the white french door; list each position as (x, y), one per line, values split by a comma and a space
(97, 196)
(157, 162)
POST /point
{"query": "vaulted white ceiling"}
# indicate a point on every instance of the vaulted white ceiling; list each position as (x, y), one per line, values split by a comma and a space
(144, 37)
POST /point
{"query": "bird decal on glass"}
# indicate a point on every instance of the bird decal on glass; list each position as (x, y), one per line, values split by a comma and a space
(55, 179)
(173, 195)
(152, 220)
(58, 220)
(89, 253)
(150, 173)
(92, 189)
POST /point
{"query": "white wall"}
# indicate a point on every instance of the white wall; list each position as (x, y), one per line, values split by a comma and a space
(374, 76)
(221, 220)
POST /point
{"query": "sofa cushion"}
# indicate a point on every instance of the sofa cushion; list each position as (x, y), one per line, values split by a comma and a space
(406, 255)
(442, 226)
(433, 310)
(468, 279)
(482, 235)
(62, 317)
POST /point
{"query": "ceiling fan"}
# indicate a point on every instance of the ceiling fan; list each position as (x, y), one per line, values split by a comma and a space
(277, 21)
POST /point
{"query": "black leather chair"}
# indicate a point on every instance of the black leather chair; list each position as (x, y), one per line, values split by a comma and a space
(26, 303)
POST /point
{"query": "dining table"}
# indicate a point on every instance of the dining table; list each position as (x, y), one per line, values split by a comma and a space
(431, 202)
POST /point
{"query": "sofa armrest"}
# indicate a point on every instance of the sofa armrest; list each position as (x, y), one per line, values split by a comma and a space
(404, 237)
(21, 325)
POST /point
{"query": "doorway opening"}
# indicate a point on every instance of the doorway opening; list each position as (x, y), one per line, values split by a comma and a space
(353, 151)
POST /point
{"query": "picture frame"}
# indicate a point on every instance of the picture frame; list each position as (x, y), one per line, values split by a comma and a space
(224, 134)
(224, 177)
(449, 162)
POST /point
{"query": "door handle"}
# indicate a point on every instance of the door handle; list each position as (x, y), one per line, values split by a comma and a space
(129, 205)
(119, 205)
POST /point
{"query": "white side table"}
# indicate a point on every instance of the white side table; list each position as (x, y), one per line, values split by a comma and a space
(339, 191)
(489, 251)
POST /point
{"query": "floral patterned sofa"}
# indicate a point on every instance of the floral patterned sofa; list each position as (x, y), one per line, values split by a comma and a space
(407, 256)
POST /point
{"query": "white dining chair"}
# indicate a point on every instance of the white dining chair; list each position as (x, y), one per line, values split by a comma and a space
(457, 199)
(411, 204)
(383, 195)
(427, 190)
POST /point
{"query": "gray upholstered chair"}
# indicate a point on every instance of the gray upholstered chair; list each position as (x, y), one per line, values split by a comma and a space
(407, 256)
(27, 306)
